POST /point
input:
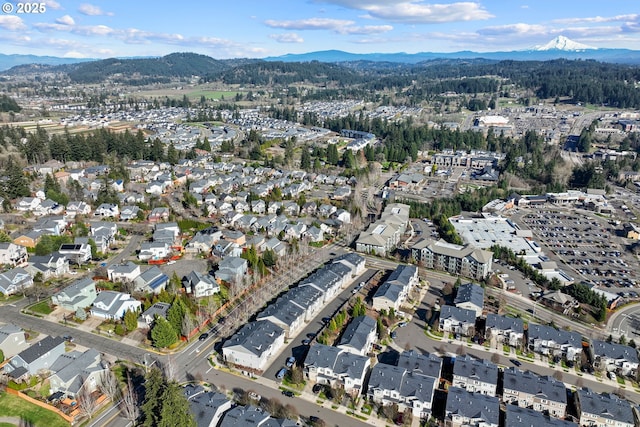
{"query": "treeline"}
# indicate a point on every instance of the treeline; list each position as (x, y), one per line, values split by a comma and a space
(8, 104)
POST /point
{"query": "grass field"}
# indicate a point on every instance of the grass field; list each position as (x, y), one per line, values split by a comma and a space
(42, 307)
(213, 94)
(13, 406)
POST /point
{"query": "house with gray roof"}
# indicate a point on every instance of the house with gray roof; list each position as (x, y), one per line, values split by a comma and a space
(529, 390)
(359, 335)
(615, 357)
(14, 281)
(471, 297)
(79, 295)
(12, 340)
(603, 409)
(200, 284)
(36, 358)
(516, 416)
(457, 320)
(152, 280)
(52, 265)
(336, 367)
(242, 416)
(422, 363)
(505, 330)
(475, 375)
(148, 317)
(207, 407)
(125, 272)
(12, 254)
(231, 269)
(549, 341)
(113, 305)
(253, 345)
(471, 409)
(74, 370)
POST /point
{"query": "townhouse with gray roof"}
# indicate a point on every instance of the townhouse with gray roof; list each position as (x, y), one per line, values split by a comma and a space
(242, 416)
(12, 340)
(74, 370)
(354, 261)
(36, 358)
(335, 367)
(516, 416)
(359, 335)
(254, 344)
(475, 375)
(207, 407)
(528, 390)
(325, 281)
(77, 296)
(613, 357)
(471, 297)
(307, 297)
(505, 330)
(422, 363)
(393, 292)
(549, 341)
(390, 385)
(290, 317)
(457, 320)
(603, 409)
(231, 269)
(471, 409)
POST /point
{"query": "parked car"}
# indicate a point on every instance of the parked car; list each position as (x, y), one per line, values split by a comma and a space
(68, 338)
(515, 362)
(204, 336)
(316, 388)
(306, 341)
(281, 373)
(288, 393)
(255, 396)
(290, 361)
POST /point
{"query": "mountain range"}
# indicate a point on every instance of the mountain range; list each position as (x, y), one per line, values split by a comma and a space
(559, 47)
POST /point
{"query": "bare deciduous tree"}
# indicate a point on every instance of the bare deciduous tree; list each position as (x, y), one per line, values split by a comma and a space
(129, 405)
(109, 386)
(87, 402)
(188, 324)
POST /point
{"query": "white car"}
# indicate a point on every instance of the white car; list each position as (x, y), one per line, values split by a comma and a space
(255, 396)
(173, 261)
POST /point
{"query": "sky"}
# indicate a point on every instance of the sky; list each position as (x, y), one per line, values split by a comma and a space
(261, 28)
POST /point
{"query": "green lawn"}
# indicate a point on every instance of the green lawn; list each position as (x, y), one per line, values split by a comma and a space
(13, 406)
(42, 307)
(214, 94)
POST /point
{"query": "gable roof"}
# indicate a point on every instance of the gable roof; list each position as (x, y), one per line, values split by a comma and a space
(559, 336)
(357, 332)
(525, 417)
(473, 405)
(478, 369)
(460, 314)
(40, 349)
(614, 351)
(471, 293)
(605, 405)
(545, 387)
(255, 336)
(426, 364)
(504, 323)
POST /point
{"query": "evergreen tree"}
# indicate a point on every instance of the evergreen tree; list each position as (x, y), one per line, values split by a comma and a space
(130, 320)
(305, 159)
(332, 154)
(163, 334)
(175, 314)
(16, 184)
(175, 408)
(150, 409)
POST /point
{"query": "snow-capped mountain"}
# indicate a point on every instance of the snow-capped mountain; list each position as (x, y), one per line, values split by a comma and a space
(563, 43)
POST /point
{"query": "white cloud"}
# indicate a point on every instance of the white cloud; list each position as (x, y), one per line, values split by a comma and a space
(52, 4)
(74, 54)
(287, 38)
(310, 24)
(340, 26)
(599, 19)
(91, 10)
(12, 23)
(66, 20)
(513, 29)
(417, 11)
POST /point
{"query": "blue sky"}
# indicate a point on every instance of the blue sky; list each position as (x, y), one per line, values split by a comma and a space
(259, 28)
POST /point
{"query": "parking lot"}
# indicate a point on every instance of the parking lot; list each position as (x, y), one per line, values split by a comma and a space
(588, 245)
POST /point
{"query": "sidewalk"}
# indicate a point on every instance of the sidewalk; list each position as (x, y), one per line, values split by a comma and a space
(329, 405)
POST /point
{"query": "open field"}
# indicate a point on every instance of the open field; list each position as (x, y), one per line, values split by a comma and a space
(213, 94)
(13, 406)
